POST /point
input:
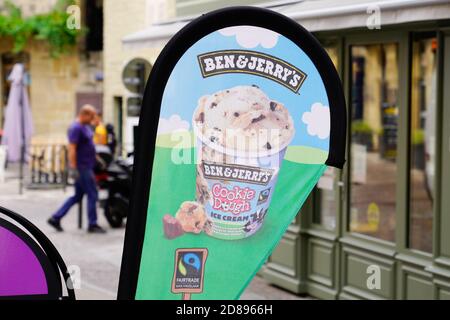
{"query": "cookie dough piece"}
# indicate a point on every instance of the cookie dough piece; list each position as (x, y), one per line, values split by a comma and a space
(192, 216)
(172, 227)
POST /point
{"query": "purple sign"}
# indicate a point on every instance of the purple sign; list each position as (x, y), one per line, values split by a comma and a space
(21, 272)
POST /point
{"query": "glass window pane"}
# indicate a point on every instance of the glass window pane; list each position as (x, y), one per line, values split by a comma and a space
(331, 48)
(422, 159)
(374, 140)
(325, 201)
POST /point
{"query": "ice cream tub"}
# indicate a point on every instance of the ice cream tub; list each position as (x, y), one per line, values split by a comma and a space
(241, 139)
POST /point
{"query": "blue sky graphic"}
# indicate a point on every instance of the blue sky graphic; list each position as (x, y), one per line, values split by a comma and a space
(186, 84)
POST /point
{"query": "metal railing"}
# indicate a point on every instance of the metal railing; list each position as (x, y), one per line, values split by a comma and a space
(48, 166)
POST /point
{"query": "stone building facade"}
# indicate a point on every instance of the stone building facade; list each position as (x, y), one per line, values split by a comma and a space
(55, 82)
(123, 17)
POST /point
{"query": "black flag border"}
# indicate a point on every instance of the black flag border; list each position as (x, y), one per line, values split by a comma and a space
(151, 104)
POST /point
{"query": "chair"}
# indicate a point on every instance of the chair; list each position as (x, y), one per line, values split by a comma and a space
(30, 266)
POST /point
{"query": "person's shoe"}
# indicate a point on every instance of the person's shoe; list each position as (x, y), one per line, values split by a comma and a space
(55, 224)
(96, 229)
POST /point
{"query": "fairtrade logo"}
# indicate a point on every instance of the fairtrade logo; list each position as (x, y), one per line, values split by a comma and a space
(189, 271)
(190, 259)
(263, 196)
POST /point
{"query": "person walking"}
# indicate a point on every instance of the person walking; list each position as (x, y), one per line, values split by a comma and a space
(82, 159)
(100, 133)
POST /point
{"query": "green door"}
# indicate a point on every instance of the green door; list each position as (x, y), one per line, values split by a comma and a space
(387, 214)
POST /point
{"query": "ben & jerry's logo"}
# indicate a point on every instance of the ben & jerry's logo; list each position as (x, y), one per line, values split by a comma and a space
(251, 62)
(238, 173)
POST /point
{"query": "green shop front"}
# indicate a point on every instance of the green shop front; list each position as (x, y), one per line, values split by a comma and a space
(379, 228)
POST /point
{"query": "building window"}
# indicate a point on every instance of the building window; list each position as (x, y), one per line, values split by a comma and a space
(422, 142)
(94, 23)
(374, 118)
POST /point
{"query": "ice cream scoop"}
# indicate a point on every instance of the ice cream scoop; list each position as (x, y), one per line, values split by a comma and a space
(244, 118)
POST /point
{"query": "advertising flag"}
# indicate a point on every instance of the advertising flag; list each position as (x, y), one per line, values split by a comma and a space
(242, 114)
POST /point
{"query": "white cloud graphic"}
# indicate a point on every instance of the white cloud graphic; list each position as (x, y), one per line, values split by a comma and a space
(318, 120)
(174, 123)
(250, 36)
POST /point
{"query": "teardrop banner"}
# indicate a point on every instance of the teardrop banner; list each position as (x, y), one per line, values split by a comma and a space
(242, 114)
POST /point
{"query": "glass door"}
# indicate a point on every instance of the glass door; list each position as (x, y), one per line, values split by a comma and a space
(422, 140)
(444, 223)
(374, 113)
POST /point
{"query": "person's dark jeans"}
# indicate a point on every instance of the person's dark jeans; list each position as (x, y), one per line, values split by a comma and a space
(84, 185)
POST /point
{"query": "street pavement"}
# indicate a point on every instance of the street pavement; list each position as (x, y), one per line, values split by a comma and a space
(97, 257)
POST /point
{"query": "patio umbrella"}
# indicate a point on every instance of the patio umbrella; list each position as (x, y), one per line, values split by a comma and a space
(18, 126)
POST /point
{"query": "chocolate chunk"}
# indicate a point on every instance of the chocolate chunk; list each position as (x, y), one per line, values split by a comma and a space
(191, 207)
(268, 146)
(213, 139)
(207, 228)
(213, 105)
(261, 117)
(273, 105)
(172, 227)
(236, 114)
(201, 117)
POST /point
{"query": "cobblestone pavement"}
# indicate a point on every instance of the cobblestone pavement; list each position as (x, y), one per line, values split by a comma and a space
(98, 256)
